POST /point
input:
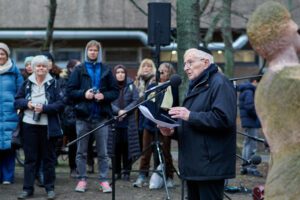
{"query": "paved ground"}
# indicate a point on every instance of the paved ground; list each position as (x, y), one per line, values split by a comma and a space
(65, 185)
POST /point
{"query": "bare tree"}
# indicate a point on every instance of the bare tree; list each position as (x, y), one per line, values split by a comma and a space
(49, 32)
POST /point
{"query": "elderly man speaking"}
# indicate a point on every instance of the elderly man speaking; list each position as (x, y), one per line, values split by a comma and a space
(206, 135)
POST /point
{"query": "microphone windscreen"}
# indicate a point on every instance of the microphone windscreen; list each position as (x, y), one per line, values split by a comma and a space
(175, 80)
(256, 159)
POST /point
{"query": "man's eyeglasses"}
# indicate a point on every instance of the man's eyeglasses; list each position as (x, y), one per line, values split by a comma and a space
(189, 63)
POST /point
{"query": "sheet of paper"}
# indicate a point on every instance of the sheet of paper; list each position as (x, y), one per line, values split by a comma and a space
(145, 111)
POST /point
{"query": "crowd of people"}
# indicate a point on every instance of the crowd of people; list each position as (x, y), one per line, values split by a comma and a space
(53, 103)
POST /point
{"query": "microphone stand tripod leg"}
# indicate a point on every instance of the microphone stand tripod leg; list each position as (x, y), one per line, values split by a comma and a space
(163, 170)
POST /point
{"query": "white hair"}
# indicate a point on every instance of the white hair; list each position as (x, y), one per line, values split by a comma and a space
(40, 59)
(200, 54)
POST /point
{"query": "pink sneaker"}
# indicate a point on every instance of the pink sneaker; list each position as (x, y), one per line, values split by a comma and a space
(81, 186)
(104, 187)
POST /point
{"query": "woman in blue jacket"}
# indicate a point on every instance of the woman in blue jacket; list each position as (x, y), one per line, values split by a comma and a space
(10, 80)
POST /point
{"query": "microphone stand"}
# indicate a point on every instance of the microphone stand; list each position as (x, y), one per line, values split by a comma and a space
(247, 161)
(254, 138)
(246, 77)
(112, 122)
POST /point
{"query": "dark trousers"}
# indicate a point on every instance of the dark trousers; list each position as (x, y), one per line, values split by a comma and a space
(205, 190)
(70, 132)
(121, 150)
(37, 147)
(148, 138)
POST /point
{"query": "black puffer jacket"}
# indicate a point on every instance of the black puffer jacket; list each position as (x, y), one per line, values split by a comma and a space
(80, 82)
(207, 142)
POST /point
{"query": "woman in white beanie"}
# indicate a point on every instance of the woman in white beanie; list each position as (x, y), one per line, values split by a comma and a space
(10, 81)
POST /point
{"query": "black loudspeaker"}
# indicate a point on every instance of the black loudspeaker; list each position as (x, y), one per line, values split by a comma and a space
(159, 21)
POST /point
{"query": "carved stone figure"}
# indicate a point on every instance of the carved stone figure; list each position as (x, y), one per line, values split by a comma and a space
(274, 36)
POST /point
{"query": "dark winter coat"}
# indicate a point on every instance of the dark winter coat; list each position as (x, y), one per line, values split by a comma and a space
(54, 107)
(80, 82)
(207, 141)
(130, 99)
(246, 104)
(68, 116)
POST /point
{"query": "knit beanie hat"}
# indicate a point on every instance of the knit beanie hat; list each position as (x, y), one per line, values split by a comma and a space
(5, 48)
(48, 55)
(28, 59)
(205, 50)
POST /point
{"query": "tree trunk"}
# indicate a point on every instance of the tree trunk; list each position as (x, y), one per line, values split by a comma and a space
(49, 32)
(187, 36)
(227, 38)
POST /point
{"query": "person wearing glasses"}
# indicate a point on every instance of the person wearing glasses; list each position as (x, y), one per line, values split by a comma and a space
(206, 135)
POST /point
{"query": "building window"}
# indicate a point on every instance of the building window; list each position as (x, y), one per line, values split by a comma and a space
(21, 54)
(61, 56)
(240, 56)
(127, 56)
(65, 55)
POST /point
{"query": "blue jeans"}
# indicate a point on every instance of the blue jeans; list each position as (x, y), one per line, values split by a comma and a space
(7, 165)
(101, 136)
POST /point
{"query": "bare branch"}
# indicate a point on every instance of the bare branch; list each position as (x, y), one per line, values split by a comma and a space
(138, 7)
(203, 6)
(211, 28)
(239, 15)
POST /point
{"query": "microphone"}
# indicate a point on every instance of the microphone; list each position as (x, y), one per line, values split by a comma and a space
(255, 160)
(175, 81)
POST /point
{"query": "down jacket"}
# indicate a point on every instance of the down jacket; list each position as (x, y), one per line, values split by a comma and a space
(10, 81)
